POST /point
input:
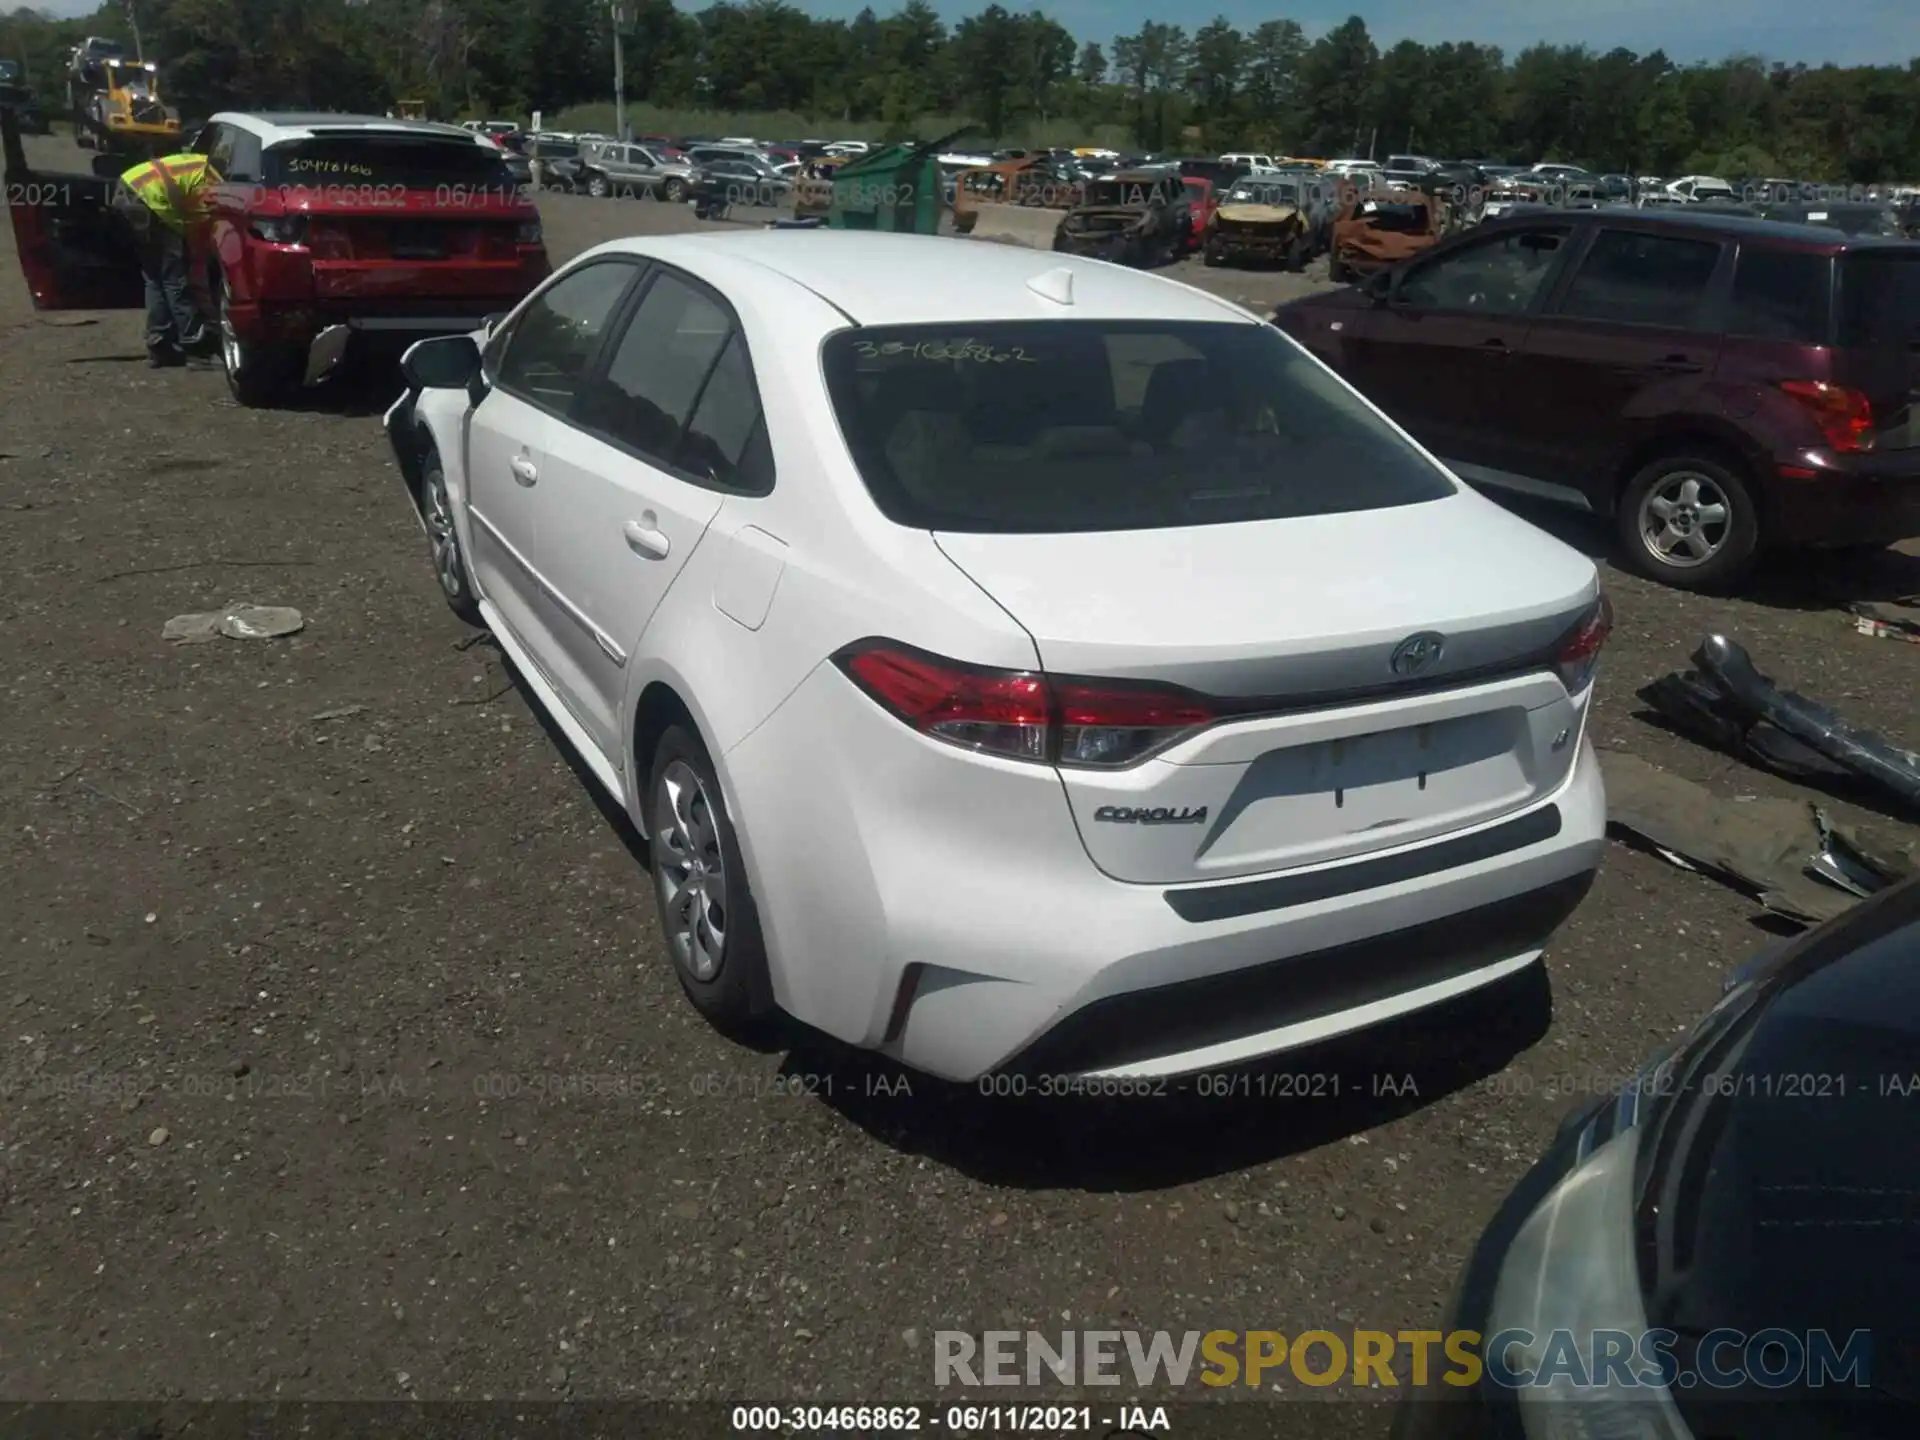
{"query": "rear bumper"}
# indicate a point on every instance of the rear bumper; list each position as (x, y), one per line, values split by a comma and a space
(1865, 500)
(941, 907)
(291, 307)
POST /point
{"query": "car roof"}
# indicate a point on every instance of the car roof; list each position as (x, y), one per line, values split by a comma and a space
(276, 126)
(875, 278)
(1721, 225)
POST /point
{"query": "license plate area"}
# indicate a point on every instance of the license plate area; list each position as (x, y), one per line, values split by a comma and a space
(419, 242)
(1344, 795)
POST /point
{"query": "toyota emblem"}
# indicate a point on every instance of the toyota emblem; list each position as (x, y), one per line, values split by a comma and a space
(1418, 653)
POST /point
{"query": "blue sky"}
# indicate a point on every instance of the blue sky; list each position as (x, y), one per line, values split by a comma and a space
(1846, 32)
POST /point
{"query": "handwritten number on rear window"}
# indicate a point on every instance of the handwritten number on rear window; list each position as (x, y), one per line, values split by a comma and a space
(940, 350)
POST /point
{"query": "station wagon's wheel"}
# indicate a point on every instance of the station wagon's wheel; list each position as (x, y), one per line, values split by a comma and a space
(1689, 521)
(449, 560)
(708, 922)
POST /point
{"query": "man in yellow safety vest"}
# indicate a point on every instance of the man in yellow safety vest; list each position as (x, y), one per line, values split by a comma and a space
(163, 201)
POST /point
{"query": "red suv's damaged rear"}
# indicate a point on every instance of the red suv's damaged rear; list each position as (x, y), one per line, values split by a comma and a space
(330, 228)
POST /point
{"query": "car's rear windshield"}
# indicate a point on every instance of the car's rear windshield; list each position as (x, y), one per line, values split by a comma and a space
(1085, 425)
(1880, 298)
(374, 159)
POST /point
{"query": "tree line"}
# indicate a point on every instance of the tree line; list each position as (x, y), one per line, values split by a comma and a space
(1022, 75)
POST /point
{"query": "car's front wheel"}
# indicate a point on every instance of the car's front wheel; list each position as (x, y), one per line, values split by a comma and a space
(674, 191)
(449, 560)
(1690, 521)
(707, 917)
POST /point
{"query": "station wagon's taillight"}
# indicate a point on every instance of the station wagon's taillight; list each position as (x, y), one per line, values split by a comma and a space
(1022, 714)
(1579, 653)
(1844, 416)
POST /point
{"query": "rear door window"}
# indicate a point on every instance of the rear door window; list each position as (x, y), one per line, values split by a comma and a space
(1630, 277)
(1781, 295)
(678, 389)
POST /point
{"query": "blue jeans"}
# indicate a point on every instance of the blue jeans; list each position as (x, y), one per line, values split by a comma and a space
(172, 323)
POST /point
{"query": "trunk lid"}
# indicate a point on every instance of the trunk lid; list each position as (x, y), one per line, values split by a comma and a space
(1293, 624)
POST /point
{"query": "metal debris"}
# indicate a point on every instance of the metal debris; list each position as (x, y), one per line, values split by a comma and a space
(1730, 705)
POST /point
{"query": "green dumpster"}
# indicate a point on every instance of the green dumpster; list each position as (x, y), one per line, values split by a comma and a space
(895, 188)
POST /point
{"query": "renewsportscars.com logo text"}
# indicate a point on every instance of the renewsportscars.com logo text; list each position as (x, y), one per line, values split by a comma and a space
(1515, 1359)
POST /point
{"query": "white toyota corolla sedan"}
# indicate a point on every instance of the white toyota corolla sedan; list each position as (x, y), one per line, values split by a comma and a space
(1017, 663)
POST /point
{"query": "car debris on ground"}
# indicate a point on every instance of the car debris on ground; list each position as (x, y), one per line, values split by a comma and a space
(1787, 853)
(1891, 620)
(1728, 704)
(237, 620)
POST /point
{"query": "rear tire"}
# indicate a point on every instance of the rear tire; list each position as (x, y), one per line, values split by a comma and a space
(674, 191)
(258, 374)
(708, 924)
(1689, 520)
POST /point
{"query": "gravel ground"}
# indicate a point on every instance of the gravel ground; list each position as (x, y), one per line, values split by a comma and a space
(320, 959)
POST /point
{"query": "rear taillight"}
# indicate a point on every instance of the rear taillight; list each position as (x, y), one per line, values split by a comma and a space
(280, 229)
(1844, 416)
(1022, 714)
(1579, 654)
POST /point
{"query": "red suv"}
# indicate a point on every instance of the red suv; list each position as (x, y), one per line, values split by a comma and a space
(326, 230)
(1715, 386)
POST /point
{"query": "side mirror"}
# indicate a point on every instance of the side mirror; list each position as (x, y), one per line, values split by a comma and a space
(448, 363)
(493, 322)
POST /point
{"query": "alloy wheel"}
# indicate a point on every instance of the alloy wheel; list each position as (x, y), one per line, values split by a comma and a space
(443, 538)
(690, 872)
(229, 338)
(1685, 519)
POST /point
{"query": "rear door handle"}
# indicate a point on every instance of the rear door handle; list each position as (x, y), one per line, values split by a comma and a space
(643, 540)
(523, 470)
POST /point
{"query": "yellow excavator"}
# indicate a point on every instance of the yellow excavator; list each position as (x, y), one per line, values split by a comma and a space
(115, 103)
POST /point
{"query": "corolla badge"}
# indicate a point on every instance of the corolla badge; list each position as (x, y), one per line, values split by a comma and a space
(1418, 654)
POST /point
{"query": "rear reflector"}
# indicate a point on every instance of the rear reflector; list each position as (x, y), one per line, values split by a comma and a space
(1579, 653)
(1022, 714)
(1844, 416)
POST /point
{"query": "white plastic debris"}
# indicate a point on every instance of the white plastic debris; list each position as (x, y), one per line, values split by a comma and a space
(240, 620)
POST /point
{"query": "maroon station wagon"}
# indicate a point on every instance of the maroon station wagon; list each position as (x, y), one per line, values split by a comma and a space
(1714, 385)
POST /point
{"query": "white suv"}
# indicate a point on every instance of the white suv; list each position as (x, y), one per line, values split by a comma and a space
(1015, 661)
